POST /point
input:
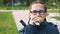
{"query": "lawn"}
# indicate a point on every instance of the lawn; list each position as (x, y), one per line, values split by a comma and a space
(53, 10)
(58, 18)
(13, 8)
(7, 23)
(25, 8)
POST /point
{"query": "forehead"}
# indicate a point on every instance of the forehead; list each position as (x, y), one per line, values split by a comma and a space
(37, 7)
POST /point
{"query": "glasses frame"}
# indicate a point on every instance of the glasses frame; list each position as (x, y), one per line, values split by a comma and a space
(34, 12)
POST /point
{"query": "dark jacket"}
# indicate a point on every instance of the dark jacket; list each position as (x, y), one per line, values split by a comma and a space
(44, 28)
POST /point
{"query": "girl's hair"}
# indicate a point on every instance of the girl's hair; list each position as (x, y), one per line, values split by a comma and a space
(36, 2)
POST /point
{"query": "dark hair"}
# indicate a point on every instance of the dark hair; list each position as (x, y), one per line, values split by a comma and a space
(35, 2)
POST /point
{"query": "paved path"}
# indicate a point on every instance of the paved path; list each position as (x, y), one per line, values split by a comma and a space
(18, 15)
(23, 14)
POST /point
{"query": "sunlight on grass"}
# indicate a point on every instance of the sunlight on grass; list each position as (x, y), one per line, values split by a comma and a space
(54, 10)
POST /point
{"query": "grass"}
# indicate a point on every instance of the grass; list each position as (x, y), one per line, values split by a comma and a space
(58, 18)
(13, 8)
(7, 24)
(23, 8)
(54, 10)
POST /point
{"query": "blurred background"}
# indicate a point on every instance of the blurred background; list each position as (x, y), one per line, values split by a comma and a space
(23, 4)
(12, 11)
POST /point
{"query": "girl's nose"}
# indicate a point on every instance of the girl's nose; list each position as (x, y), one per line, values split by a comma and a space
(38, 13)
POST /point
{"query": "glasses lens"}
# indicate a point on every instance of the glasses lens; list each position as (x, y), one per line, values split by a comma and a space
(35, 11)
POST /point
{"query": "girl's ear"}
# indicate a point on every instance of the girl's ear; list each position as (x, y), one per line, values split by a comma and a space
(29, 14)
(29, 17)
(46, 14)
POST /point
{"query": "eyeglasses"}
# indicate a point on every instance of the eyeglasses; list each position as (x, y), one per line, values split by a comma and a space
(34, 12)
(40, 11)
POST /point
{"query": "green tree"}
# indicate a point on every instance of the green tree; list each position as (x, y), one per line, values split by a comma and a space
(1, 2)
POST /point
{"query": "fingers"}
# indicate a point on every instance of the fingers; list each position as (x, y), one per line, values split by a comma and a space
(35, 19)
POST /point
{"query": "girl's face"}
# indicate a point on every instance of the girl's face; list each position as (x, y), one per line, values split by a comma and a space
(37, 11)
